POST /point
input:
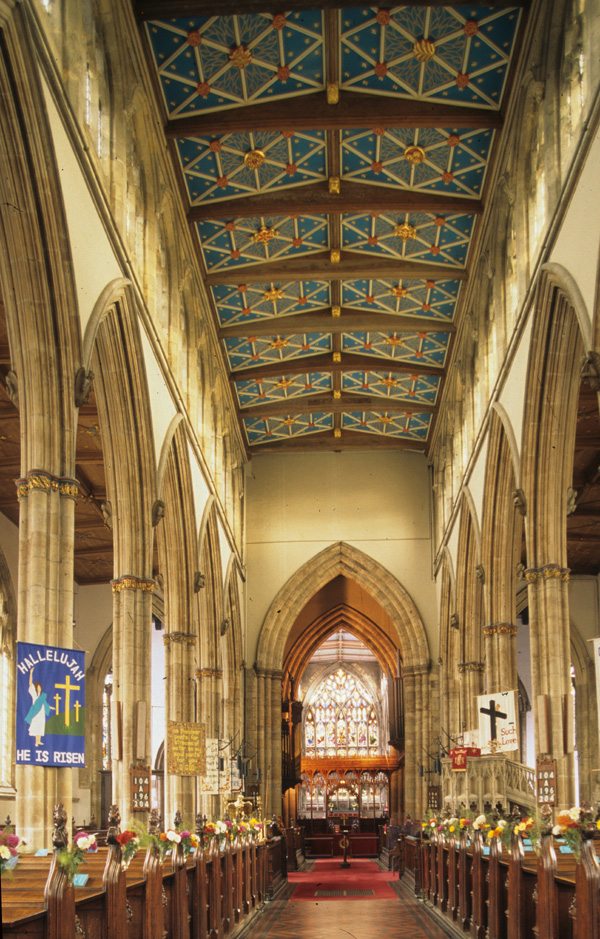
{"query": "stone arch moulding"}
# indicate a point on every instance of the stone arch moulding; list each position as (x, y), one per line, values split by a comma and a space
(164, 452)
(203, 532)
(569, 286)
(112, 292)
(469, 502)
(511, 439)
(447, 557)
(342, 558)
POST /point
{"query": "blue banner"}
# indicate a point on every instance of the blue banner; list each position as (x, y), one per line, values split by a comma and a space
(50, 706)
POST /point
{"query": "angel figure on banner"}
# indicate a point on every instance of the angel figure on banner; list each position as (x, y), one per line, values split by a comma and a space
(38, 712)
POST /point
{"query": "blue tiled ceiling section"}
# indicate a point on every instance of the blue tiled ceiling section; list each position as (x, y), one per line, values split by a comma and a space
(305, 307)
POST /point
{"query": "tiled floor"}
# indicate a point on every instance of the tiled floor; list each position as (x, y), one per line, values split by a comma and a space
(401, 918)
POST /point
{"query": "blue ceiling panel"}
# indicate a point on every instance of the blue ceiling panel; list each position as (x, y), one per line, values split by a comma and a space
(245, 241)
(246, 303)
(270, 429)
(288, 387)
(409, 426)
(435, 299)
(254, 351)
(421, 389)
(214, 63)
(422, 348)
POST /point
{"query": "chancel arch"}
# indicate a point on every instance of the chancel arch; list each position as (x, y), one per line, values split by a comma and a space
(406, 632)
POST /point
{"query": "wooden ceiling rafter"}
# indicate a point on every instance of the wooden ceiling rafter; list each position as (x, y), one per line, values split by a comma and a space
(318, 266)
(354, 110)
(327, 441)
(326, 364)
(177, 9)
(348, 321)
(307, 404)
(316, 199)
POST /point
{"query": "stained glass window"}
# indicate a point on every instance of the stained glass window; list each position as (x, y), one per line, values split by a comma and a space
(341, 719)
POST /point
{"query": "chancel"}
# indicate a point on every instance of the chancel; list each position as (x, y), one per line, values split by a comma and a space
(299, 467)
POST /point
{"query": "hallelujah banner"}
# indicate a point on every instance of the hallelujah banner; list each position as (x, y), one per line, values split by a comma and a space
(50, 706)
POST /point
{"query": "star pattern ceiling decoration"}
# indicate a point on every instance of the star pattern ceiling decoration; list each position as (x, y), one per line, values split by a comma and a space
(217, 62)
(431, 53)
(335, 165)
(221, 167)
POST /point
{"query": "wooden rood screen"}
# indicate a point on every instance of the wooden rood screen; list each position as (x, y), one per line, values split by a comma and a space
(489, 893)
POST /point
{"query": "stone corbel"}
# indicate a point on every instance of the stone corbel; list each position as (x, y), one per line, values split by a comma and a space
(224, 626)
(83, 386)
(590, 370)
(520, 502)
(454, 621)
(158, 512)
(199, 581)
(571, 500)
(12, 388)
(480, 573)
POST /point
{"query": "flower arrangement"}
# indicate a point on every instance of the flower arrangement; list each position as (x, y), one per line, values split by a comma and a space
(70, 858)
(130, 842)
(216, 830)
(9, 843)
(168, 840)
(572, 824)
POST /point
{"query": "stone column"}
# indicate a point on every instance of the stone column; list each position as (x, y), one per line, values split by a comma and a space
(471, 685)
(500, 657)
(208, 680)
(416, 696)
(132, 624)
(44, 616)
(179, 667)
(551, 668)
(276, 795)
(262, 757)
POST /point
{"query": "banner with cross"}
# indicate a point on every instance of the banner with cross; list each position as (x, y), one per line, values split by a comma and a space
(497, 722)
(50, 713)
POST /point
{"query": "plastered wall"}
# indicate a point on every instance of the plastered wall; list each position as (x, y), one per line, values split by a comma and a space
(299, 504)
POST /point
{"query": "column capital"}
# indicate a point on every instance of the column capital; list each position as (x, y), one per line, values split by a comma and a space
(181, 638)
(500, 629)
(201, 673)
(419, 668)
(130, 582)
(471, 666)
(535, 575)
(45, 482)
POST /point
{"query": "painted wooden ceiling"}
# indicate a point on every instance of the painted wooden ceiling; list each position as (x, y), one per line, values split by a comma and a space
(334, 166)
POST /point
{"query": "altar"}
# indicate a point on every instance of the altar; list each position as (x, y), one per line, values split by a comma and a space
(360, 844)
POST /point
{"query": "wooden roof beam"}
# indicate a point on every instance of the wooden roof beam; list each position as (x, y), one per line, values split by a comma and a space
(325, 364)
(175, 9)
(317, 404)
(348, 321)
(319, 266)
(349, 440)
(317, 200)
(353, 110)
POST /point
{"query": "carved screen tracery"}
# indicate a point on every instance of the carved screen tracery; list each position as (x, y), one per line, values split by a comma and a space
(341, 719)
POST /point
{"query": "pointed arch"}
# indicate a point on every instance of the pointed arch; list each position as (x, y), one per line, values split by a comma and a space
(342, 558)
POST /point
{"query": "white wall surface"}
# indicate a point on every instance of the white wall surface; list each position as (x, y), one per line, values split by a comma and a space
(299, 504)
(93, 613)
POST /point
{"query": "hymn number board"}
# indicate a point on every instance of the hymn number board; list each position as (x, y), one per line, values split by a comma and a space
(140, 788)
(546, 782)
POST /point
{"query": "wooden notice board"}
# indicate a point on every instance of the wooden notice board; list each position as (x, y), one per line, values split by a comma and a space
(546, 782)
(140, 788)
(186, 750)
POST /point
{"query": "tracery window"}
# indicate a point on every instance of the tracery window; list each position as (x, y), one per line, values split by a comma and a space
(341, 720)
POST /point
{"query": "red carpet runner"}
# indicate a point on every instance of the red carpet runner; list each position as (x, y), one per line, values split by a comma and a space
(363, 880)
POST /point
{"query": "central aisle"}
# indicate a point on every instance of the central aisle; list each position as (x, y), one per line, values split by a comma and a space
(365, 905)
